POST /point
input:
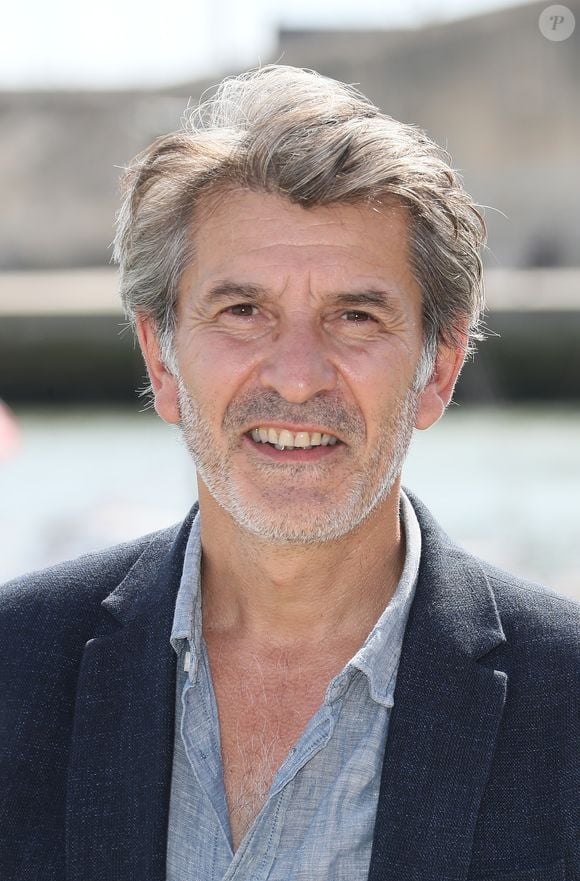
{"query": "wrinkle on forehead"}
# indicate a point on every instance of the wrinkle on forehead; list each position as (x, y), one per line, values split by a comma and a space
(216, 210)
(263, 238)
(283, 225)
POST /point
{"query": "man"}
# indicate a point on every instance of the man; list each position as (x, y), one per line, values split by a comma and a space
(306, 679)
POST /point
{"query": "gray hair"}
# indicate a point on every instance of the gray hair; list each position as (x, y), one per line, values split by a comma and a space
(315, 141)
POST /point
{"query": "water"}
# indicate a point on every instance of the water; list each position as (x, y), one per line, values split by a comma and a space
(504, 483)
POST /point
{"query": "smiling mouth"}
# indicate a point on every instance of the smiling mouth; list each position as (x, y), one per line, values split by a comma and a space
(281, 453)
(290, 438)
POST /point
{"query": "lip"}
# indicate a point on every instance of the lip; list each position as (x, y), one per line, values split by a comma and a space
(316, 454)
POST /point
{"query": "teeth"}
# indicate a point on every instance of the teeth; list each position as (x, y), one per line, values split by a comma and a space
(286, 440)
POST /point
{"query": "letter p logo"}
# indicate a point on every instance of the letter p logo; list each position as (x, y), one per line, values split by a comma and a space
(557, 23)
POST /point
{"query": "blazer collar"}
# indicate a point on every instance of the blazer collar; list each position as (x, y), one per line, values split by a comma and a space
(119, 776)
(161, 561)
(443, 727)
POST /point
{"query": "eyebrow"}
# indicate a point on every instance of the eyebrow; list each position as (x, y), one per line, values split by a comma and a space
(376, 298)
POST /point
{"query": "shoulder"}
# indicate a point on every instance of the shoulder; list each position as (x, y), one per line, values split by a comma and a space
(47, 617)
(541, 651)
(528, 611)
(532, 608)
(82, 582)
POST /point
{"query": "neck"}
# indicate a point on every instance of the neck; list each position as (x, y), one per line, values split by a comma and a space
(267, 595)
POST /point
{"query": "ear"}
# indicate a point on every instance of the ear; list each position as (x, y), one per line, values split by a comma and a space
(439, 390)
(163, 382)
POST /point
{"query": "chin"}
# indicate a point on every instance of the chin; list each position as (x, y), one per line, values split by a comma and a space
(313, 517)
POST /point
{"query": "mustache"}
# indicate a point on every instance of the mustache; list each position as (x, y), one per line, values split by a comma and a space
(251, 408)
(272, 408)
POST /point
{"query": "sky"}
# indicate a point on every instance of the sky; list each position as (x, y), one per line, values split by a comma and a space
(128, 43)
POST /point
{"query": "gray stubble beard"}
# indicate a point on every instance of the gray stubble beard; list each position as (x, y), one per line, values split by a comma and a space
(371, 482)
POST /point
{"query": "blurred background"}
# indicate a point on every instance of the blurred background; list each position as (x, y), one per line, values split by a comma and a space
(83, 462)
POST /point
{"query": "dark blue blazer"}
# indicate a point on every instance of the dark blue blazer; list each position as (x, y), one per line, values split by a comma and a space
(480, 777)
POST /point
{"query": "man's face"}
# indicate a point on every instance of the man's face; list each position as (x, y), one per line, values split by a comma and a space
(263, 340)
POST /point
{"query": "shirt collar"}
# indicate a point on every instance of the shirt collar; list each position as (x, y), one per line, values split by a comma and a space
(187, 618)
(378, 658)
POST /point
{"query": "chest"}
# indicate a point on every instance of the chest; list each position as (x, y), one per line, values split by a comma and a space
(262, 710)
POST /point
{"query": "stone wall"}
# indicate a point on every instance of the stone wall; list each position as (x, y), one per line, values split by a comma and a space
(492, 89)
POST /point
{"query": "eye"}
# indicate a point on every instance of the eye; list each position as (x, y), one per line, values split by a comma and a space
(240, 306)
(357, 312)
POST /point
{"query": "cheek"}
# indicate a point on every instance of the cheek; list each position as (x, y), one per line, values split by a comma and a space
(215, 367)
(379, 375)
(380, 387)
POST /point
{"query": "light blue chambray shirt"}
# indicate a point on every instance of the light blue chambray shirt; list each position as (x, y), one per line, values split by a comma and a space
(318, 820)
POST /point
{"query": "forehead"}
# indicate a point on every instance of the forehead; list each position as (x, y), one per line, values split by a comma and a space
(262, 236)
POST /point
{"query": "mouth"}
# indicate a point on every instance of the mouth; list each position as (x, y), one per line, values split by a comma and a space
(310, 454)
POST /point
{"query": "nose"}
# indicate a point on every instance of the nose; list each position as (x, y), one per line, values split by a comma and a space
(297, 363)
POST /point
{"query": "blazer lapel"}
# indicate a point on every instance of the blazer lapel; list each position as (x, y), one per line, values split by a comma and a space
(120, 767)
(445, 719)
